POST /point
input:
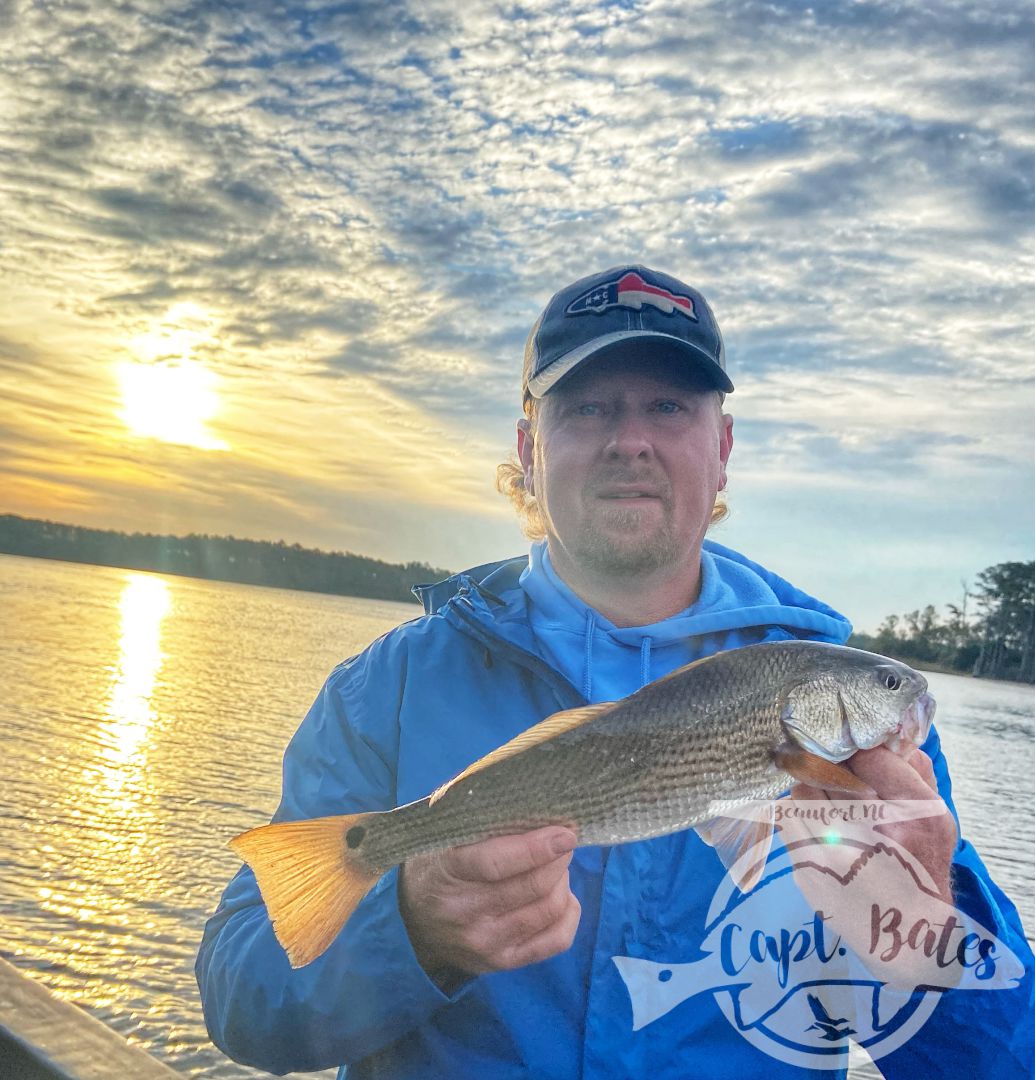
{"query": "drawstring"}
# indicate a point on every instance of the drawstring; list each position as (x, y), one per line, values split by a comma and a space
(587, 673)
(645, 661)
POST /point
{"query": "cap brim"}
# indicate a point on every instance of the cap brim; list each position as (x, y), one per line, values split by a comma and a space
(539, 385)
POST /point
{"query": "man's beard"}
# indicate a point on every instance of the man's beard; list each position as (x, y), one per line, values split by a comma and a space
(626, 549)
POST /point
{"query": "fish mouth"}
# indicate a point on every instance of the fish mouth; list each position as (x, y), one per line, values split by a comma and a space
(914, 728)
(916, 724)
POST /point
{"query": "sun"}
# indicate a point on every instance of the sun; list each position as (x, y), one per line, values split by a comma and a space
(171, 401)
(167, 394)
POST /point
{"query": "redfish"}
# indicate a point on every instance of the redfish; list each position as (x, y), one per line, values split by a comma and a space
(741, 726)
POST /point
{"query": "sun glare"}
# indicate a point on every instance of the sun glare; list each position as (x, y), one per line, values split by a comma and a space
(170, 401)
(167, 394)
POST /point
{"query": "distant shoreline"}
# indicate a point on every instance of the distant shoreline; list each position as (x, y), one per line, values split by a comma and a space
(218, 558)
(940, 669)
(871, 643)
(194, 577)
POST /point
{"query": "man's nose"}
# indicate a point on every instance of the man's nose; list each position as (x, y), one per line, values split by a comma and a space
(629, 437)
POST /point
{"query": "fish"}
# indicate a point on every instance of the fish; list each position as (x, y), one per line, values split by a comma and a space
(738, 726)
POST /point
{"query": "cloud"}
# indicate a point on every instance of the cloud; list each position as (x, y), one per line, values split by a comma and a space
(376, 199)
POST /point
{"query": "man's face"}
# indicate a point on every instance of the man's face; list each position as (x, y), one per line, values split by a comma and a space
(625, 462)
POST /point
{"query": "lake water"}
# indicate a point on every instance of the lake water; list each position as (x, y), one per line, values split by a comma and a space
(142, 723)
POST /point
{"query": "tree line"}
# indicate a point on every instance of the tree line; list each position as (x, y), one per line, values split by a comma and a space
(220, 558)
(991, 634)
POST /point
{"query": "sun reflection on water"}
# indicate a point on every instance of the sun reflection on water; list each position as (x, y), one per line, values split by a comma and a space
(129, 713)
(100, 880)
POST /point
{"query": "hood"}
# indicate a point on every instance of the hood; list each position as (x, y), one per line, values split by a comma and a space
(740, 603)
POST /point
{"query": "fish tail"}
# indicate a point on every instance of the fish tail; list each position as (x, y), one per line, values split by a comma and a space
(312, 876)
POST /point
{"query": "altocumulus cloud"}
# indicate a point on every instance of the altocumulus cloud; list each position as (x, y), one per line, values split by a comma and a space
(372, 200)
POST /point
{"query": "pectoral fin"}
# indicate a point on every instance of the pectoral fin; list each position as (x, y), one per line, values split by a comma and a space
(742, 843)
(811, 769)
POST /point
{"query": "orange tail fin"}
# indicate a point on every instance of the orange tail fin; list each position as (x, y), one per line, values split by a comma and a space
(311, 878)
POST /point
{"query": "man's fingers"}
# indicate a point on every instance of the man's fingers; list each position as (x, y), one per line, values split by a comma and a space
(505, 857)
(924, 768)
(522, 923)
(521, 890)
(486, 906)
(808, 793)
(884, 772)
(890, 776)
(553, 939)
(498, 941)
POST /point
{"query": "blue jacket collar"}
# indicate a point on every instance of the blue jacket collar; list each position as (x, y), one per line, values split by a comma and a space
(740, 593)
(490, 581)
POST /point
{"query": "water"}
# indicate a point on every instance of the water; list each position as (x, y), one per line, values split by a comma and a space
(143, 720)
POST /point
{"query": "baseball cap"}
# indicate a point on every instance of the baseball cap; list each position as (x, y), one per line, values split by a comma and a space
(625, 305)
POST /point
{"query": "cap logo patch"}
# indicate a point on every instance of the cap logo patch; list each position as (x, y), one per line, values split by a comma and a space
(631, 291)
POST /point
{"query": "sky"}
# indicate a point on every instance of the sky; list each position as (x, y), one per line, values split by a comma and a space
(267, 269)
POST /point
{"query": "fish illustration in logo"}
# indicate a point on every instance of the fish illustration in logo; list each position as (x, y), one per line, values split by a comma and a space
(786, 975)
(631, 291)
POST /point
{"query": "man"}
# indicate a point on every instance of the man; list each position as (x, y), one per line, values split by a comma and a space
(497, 959)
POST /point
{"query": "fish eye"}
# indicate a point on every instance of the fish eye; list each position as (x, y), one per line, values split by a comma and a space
(889, 679)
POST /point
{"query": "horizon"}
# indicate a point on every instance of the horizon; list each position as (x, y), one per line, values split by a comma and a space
(269, 273)
(447, 572)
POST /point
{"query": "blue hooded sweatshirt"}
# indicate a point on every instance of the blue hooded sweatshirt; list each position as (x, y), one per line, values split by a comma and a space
(739, 603)
(501, 647)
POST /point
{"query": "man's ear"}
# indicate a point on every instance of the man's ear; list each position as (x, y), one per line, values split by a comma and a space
(526, 451)
(725, 447)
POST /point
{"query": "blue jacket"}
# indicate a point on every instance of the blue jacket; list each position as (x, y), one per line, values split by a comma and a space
(417, 707)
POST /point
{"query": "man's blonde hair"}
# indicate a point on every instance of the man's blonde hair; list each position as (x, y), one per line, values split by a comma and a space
(510, 481)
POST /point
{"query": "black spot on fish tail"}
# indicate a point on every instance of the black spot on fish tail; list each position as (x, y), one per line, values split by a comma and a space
(354, 837)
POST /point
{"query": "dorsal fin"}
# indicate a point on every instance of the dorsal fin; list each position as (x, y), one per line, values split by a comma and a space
(537, 733)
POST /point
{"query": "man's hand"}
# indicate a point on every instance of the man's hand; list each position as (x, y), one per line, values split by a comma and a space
(890, 923)
(497, 904)
(930, 840)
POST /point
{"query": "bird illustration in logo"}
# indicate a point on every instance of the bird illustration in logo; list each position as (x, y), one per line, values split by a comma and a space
(831, 1028)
